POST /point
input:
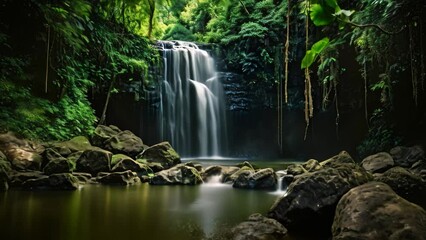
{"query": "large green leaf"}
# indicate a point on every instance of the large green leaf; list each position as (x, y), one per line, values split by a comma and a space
(320, 16)
(320, 45)
(308, 59)
(332, 3)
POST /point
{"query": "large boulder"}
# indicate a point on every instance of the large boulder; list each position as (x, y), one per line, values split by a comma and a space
(76, 144)
(129, 164)
(406, 184)
(311, 165)
(259, 227)
(341, 158)
(103, 133)
(223, 171)
(378, 163)
(296, 169)
(118, 178)
(61, 181)
(16, 179)
(125, 142)
(178, 175)
(407, 156)
(116, 158)
(261, 179)
(58, 166)
(312, 197)
(162, 153)
(373, 211)
(94, 161)
(23, 154)
(232, 176)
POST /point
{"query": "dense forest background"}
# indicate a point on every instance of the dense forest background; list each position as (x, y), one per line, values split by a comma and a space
(346, 59)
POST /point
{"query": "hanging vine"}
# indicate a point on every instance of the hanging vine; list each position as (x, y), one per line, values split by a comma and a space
(287, 45)
(309, 110)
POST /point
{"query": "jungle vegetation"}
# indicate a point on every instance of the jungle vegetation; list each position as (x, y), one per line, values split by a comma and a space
(56, 54)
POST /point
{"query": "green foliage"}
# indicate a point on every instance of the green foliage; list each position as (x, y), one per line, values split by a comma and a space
(313, 53)
(381, 136)
(179, 32)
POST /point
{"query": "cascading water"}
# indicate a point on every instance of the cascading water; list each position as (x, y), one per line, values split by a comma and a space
(192, 109)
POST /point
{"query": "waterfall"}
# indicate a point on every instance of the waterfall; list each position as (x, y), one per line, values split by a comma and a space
(192, 108)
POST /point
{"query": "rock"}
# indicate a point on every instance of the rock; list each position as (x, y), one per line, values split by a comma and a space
(61, 181)
(406, 156)
(73, 157)
(5, 169)
(94, 161)
(16, 179)
(378, 163)
(245, 164)
(116, 158)
(2, 156)
(103, 133)
(418, 167)
(83, 178)
(261, 179)
(195, 165)
(125, 142)
(58, 166)
(129, 164)
(311, 198)
(51, 155)
(230, 178)
(76, 144)
(161, 153)
(5, 166)
(120, 178)
(342, 157)
(259, 227)
(296, 169)
(178, 175)
(406, 184)
(287, 180)
(224, 171)
(373, 211)
(312, 165)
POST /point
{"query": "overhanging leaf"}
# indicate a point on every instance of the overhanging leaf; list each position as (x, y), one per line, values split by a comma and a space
(308, 59)
(320, 45)
(320, 16)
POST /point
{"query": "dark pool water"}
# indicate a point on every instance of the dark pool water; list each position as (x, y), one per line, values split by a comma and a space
(134, 212)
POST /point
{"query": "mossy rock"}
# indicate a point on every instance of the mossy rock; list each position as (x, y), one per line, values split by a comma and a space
(59, 166)
(116, 158)
(76, 144)
(162, 153)
(94, 161)
(124, 142)
(103, 133)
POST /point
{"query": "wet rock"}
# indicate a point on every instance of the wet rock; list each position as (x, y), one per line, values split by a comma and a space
(73, 157)
(103, 133)
(311, 198)
(60, 181)
(58, 166)
(119, 178)
(178, 175)
(76, 144)
(373, 211)
(83, 178)
(94, 161)
(216, 170)
(261, 179)
(341, 158)
(116, 158)
(129, 164)
(259, 227)
(16, 179)
(52, 155)
(407, 156)
(162, 153)
(287, 180)
(124, 142)
(195, 165)
(296, 169)
(312, 165)
(406, 184)
(378, 163)
(418, 167)
(23, 154)
(245, 164)
(230, 178)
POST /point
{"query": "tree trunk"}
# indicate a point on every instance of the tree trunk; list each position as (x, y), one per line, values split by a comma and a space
(103, 116)
(151, 17)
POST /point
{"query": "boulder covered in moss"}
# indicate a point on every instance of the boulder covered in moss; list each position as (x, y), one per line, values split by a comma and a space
(373, 211)
(60, 181)
(177, 175)
(406, 184)
(260, 179)
(129, 164)
(94, 161)
(125, 142)
(58, 166)
(76, 144)
(118, 178)
(378, 163)
(258, 227)
(103, 133)
(162, 153)
(312, 197)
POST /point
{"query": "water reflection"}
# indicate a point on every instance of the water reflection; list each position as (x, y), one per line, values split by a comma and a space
(142, 211)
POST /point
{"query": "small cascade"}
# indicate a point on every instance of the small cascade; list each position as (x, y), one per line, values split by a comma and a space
(192, 110)
(281, 189)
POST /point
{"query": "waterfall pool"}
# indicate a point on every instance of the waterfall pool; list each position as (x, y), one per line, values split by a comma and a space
(135, 212)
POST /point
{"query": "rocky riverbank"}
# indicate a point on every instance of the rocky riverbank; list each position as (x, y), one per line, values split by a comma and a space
(111, 156)
(381, 197)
